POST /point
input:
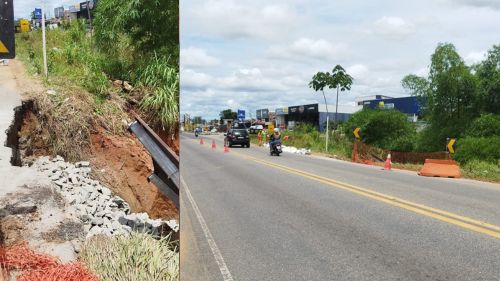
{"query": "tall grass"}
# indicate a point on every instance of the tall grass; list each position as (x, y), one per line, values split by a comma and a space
(130, 258)
(161, 83)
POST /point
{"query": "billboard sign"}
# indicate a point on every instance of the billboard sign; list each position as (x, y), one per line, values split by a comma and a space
(281, 111)
(7, 28)
(241, 114)
(303, 109)
(83, 5)
(37, 14)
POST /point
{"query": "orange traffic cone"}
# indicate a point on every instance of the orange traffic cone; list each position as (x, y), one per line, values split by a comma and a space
(213, 144)
(226, 149)
(201, 140)
(388, 163)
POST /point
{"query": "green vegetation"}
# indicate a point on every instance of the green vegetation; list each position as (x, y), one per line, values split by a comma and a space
(133, 41)
(388, 129)
(307, 136)
(339, 79)
(461, 102)
(134, 257)
(228, 114)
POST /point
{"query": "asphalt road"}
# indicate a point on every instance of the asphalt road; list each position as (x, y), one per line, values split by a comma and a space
(248, 216)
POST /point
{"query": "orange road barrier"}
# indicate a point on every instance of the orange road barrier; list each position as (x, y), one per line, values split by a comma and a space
(285, 138)
(226, 149)
(201, 141)
(440, 168)
(388, 163)
(355, 154)
(34, 266)
(214, 146)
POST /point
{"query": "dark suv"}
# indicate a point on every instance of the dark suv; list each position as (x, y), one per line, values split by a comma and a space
(238, 136)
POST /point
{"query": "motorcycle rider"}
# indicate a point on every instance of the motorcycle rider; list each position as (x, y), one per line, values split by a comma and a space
(274, 138)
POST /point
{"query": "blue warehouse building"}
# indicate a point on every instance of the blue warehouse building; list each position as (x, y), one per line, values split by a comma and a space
(408, 105)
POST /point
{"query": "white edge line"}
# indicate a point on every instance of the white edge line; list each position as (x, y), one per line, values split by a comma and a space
(226, 275)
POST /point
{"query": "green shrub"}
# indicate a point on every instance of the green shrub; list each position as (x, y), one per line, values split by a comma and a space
(388, 129)
(485, 126)
(484, 149)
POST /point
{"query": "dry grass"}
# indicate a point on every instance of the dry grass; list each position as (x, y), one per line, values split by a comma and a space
(130, 258)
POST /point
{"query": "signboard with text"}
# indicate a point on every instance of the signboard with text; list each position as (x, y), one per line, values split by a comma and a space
(7, 29)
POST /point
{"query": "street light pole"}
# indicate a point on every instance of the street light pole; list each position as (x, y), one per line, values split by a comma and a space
(44, 43)
(327, 120)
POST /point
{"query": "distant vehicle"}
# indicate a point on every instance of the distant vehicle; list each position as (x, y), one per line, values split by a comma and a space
(256, 128)
(237, 136)
(213, 130)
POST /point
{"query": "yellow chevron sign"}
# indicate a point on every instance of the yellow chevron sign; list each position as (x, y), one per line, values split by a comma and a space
(356, 132)
(450, 146)
(3, 49)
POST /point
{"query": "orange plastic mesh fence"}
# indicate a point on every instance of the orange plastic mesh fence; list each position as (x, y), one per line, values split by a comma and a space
(35, 266)
(368, 152)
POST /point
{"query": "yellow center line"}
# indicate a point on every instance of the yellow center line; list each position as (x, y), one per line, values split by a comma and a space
(465, 222)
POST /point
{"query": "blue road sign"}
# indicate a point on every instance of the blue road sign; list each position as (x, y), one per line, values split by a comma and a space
(38, 13)
(241, 114)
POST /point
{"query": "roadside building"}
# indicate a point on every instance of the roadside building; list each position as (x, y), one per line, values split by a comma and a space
(59, 12)
(281, 117)
(360, 100)
(262, 114)
(408, 105)
(316, 114)
(83, 11)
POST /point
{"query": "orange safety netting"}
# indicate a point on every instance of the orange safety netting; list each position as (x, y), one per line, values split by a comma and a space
(38, 267)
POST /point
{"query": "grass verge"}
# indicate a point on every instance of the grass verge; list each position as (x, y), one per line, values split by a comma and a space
(130, 258)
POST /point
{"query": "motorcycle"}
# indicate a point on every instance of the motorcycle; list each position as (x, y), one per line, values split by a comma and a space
(196, 133)
(276, 149)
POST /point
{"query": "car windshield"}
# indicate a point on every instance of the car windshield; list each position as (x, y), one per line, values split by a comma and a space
(241, 132)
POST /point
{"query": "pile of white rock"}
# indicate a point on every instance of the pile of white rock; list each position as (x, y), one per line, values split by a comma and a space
(95, 205)
(292, 149)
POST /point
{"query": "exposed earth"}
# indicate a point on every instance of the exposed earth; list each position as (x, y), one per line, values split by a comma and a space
(32, 207)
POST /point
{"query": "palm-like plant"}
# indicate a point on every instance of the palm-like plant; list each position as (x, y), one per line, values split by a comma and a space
(342, 81)
(338, 79)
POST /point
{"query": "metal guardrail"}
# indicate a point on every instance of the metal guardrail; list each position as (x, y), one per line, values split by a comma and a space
(166, 174)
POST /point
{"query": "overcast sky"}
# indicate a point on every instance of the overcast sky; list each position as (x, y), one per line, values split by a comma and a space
(262, 54)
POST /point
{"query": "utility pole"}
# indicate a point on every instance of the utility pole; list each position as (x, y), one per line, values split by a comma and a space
(44, 43)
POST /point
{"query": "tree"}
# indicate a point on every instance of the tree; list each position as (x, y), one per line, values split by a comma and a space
(488, 74)
(449, 95)
(319, 81)
(197, 120)
(338, 79)
(228, 114)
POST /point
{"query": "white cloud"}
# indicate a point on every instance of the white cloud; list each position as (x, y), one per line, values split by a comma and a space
(358, 71)
(197, 57)
(393, 27)
(234, 19)
(192, 79)
(493, 4)
(474, 57)
(304, 49)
